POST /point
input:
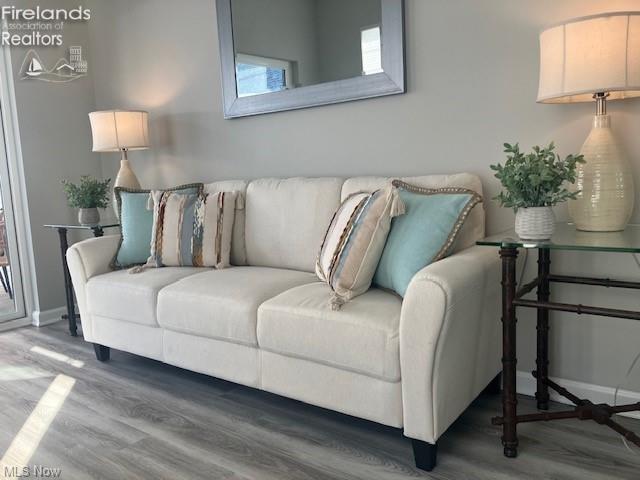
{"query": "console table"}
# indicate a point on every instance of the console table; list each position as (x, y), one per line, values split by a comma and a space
(98, 231)
(566, 237)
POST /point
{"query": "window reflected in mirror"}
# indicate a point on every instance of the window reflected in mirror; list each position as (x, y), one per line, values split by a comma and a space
(257, 75)
(371, 48)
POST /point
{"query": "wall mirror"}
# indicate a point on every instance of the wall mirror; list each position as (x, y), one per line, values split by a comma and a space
(286, 54)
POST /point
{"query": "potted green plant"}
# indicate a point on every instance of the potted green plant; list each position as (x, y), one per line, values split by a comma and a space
(532, 184)
(88, 195)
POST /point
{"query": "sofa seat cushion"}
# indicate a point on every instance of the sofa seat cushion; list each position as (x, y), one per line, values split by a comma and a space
(132, 298)
(362, 337)
(223, 304)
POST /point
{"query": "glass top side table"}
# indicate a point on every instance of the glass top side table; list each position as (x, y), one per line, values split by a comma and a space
(98, 231)
(566, 237)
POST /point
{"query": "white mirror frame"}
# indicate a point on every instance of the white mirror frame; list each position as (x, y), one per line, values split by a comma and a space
(390, 82)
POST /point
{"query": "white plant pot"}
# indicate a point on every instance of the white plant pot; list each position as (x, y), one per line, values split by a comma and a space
(535, 223)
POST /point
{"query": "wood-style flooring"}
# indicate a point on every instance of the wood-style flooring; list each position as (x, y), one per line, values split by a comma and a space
(134, 418)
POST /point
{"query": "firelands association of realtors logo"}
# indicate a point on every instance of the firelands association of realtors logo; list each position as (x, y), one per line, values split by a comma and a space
(40, 28)
(64, 70)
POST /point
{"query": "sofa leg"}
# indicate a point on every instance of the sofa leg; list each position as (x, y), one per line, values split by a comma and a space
(102, 353)
(424, 454)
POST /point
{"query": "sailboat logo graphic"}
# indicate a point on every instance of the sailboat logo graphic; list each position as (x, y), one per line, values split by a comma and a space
(35, 68)
(65, 70)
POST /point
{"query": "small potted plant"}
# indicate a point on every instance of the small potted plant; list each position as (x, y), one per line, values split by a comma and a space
(532, 184)
(89, 195)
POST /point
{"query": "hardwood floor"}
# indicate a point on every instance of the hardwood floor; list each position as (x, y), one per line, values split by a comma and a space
(135, 418)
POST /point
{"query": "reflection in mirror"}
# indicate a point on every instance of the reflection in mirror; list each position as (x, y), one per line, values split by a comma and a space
(256, 75)
(371, 47)
(286, 44)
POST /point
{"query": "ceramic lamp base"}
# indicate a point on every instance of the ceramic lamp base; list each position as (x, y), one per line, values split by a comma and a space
(605, 181)
(125, 178)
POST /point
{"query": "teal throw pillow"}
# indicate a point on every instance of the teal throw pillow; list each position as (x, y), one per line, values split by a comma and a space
(136, 223)
(424, 234)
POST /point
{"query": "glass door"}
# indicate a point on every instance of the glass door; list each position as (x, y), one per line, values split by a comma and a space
(12, 305)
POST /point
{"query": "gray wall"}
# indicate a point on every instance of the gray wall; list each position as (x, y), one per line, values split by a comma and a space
(56, 144)
(472, 83)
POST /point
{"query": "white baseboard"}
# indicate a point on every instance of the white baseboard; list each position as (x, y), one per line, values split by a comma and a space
(526, 385)
(47, 317)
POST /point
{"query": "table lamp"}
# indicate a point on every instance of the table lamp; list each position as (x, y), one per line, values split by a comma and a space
(120, 131)
(595, 58)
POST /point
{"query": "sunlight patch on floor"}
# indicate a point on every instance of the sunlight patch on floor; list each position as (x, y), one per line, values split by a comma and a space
(10, 373)
(60, 357)
(28, 438)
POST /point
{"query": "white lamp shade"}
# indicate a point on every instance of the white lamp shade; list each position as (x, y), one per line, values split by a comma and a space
(589, 55)
(115, 130)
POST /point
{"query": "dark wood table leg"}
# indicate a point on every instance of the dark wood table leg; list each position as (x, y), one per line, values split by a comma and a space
(511, 299)
(98, 231)
(509, 399)
(542, 357)
(68, 289)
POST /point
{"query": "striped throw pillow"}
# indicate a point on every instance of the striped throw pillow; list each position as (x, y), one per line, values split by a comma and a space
(192, 229)
(354, 242)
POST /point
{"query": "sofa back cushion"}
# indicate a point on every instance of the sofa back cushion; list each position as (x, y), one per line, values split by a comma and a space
(286, 220)
(238, 248)
(473, 228)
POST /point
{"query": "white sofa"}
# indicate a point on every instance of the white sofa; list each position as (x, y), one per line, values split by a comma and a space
(414, 363)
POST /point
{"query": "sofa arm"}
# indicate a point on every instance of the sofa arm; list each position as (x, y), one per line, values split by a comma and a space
(449, 339)
(88, 259)
(93, 256)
